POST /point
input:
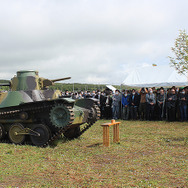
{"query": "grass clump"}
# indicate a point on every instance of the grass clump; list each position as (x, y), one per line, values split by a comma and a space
(150, 154)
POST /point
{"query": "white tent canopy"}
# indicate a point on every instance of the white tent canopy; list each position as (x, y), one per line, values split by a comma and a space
(155, 76)
(111, 88)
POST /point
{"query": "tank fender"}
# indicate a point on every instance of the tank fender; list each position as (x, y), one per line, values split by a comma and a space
(67, 100)
(86, 103)
(15, 98)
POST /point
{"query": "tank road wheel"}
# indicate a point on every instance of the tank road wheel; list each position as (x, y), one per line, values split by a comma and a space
(2, 132)
(72, 133)
(43, 137)
(60, 116)
(14, 135)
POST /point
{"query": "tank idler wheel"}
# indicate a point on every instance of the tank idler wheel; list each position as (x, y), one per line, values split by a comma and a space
(98, 111)
(92, 116)
(2, 132)
(14, 135)
(43, 137)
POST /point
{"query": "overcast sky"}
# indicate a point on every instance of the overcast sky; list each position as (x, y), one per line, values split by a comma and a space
(93, 41)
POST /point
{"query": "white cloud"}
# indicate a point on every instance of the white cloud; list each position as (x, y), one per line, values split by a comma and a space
(92, 41)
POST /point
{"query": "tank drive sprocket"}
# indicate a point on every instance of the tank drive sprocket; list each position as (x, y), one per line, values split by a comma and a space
(61, 115)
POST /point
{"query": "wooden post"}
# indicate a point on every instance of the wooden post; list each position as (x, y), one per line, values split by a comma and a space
(106, 134)
(116, 133)
(113, 121)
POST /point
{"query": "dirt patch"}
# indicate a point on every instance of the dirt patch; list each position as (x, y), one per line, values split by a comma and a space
(14, 181)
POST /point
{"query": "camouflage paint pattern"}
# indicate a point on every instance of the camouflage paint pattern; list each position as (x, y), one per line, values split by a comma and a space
(28, 87)
(14, 98)
(25, 80)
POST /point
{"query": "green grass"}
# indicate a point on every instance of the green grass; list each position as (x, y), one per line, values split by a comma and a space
(150, 154)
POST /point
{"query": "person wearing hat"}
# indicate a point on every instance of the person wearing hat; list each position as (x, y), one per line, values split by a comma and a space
(171, 104)
(151, 101)
(161, 98)
(116, 99)
(134, 103)
(125, 101)
(183, 101)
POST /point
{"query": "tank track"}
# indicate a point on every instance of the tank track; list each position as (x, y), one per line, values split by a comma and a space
(37, 109)
(46, 107)
(88, 125)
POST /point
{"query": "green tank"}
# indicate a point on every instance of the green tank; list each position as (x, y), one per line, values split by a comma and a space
(32, 112)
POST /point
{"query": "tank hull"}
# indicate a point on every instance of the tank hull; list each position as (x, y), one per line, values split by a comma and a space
(30, 111)
(59, 116)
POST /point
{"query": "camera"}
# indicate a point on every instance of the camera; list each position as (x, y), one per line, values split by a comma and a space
(143, 90)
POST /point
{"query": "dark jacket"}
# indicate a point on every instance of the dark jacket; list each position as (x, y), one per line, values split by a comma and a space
(134, 100)
(161, 98)
(181, 101)
(108, 101)
(171, 103)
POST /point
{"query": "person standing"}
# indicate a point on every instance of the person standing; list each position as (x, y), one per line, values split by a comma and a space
(134, 103)
(116, 99)
(102, 99)
(151, 101)
(161, 104)
(84, 94)
(88, 95)
(171, 105)
(80, 95)
(183, 101)
(142, 106)
(108, 106)
(93, 94)
(126, 105)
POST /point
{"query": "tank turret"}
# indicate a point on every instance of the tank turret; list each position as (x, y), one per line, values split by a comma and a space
(33, 112)
(30, 80)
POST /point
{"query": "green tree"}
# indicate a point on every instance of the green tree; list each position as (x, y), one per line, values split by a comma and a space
(180, 50)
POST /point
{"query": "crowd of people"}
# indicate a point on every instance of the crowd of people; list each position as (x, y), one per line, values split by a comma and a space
(144, 104)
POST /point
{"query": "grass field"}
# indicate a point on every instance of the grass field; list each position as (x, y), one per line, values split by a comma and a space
(150, 154)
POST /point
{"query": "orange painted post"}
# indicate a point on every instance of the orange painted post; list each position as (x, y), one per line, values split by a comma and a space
(116, 133)
(106, 134)
(113, 121)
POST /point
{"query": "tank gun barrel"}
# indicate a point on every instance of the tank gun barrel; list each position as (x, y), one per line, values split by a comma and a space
(47, 82)
(61, 79)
